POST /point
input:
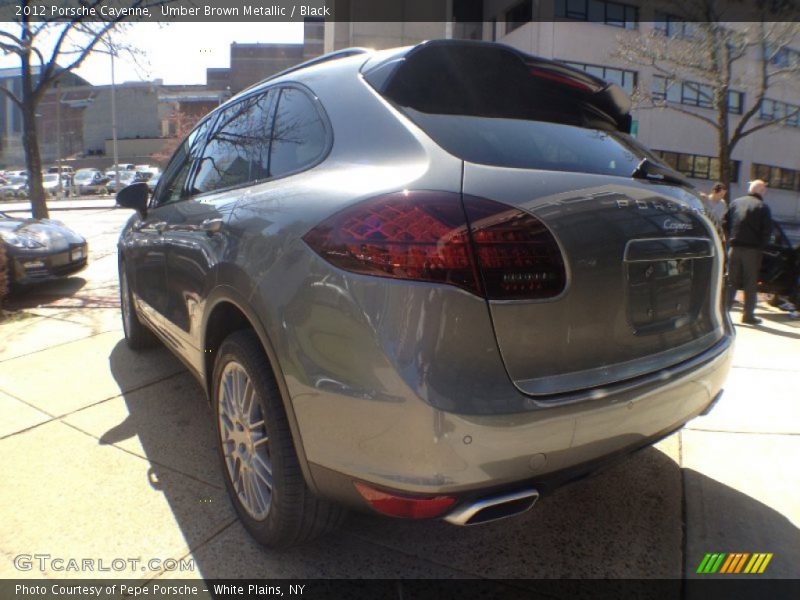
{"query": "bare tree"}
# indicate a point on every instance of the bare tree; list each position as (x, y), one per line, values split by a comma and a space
(709, 59)
(182, 121)
(48, 50)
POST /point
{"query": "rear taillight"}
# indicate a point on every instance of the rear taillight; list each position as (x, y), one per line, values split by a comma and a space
(518, 257)
(407, 235)
(485, 247)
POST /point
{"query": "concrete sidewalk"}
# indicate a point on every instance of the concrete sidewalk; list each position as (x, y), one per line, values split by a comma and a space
(111, 454)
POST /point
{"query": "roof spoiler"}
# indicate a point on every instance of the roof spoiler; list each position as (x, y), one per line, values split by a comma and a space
(487, 63)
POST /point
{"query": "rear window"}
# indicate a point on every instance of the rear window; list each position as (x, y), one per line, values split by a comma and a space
(527, 144)
(493, 105)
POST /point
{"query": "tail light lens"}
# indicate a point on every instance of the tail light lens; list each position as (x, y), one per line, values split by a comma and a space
(405, 507)
(408, 235)
(485, 247)
(518, 257)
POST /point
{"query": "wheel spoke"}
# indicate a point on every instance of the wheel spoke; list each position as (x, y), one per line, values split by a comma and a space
(261, 492)
(236, 474)
(227, 395)
(239, 393)
(228, 448)
(247, 400)
(263, 470)
(226, 421)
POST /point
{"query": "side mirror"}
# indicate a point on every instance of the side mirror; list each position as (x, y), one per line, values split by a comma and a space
(134, 196)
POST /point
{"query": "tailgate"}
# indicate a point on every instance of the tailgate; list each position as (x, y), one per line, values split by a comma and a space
(642, 287)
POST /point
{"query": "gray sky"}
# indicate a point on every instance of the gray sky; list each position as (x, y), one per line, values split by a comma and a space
(178, 53)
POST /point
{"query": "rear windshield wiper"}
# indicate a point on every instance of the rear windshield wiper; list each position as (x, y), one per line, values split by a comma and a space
(647, 169)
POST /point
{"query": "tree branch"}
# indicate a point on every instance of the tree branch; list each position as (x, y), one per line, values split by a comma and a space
(11, 96)
(770, 123)
(689, 113)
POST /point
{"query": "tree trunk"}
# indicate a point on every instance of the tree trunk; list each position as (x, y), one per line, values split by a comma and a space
(30, 142)
(33, 161)
(724, 153)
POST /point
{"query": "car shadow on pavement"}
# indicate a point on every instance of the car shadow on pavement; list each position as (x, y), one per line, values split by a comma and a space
(626, 522)
(47, 292)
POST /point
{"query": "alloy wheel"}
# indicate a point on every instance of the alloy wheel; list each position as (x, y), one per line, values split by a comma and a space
(245, 444)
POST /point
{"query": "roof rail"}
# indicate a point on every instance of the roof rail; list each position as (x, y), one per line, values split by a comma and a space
(344, 53)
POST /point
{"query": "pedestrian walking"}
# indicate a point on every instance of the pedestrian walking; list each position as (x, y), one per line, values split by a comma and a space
(748, 225)
(715, 205)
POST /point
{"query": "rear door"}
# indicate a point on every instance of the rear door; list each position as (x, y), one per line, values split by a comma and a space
(233, 156)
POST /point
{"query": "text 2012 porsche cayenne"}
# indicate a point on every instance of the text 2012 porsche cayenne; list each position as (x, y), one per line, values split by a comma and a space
(435, 281)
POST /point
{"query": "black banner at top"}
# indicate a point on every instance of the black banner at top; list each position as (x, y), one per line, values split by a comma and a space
(398, 10)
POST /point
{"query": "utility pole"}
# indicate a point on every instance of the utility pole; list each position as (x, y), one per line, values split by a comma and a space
(114, 119)
(58, 142)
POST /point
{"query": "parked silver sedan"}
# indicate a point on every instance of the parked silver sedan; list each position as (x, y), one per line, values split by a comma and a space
(430, 282)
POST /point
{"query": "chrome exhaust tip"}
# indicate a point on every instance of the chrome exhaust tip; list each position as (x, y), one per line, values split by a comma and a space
(494, 508)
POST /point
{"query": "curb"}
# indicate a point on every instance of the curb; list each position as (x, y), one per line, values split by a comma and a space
(52, 208)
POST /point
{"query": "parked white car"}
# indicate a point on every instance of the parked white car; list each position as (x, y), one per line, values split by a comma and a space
(50, 183)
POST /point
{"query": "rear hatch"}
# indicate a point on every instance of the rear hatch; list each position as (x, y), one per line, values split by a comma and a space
(636, 278)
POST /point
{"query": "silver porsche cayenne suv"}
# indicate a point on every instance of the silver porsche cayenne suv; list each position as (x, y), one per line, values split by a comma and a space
(431, 282)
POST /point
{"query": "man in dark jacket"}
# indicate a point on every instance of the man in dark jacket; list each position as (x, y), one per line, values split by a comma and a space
(748, 225)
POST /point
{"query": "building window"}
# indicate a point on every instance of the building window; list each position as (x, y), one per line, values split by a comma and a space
(623, 78)
(692, 93)
(598, 11)
(782, 57)
(697, 166)
(675, 27)
(772, 110)
(777, 177)
(519, 15)
(736, 102)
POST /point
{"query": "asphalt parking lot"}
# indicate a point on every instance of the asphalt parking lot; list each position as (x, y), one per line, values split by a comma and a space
(109, 454)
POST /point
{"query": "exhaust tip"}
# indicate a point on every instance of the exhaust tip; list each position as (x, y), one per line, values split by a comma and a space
(494, 508)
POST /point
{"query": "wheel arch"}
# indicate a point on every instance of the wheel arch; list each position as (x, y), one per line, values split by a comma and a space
(228, 311)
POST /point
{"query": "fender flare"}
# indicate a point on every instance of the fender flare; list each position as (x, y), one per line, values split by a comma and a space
(227, 294)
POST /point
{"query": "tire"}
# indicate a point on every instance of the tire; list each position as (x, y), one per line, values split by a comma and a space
(137, 335)
(255, 443)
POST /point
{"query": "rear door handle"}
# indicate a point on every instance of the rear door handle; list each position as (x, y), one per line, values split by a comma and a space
(211, 226)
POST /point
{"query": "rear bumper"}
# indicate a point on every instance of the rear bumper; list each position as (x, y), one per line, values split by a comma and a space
(422, 450)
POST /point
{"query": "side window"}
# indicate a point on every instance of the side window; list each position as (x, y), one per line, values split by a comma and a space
(238, 150)
(173, 181)
(171, 185)
(299, 137)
